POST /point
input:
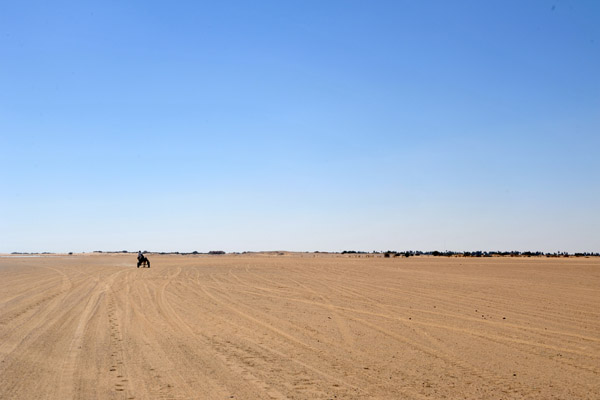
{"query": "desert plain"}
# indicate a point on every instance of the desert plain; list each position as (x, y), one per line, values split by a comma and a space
(299, 326)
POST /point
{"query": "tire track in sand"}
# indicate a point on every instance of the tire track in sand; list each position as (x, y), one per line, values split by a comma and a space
(301, 382)
(69, 365)
(430, 350)
(176, 321)
(290, 338)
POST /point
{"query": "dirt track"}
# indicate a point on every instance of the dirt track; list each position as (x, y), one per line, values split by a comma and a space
(299, 327)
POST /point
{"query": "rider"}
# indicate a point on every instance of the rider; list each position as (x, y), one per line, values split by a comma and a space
(140, 255)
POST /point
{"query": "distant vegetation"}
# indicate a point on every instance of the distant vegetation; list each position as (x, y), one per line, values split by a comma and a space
(33, 253)
(386, 254)
(478, 253)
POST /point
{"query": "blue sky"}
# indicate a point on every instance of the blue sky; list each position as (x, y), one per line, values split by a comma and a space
(306, 125)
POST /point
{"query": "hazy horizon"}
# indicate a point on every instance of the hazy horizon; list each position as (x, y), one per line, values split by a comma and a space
(309, 126)
(347, 251)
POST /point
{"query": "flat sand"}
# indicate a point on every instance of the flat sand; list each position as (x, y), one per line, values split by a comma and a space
(299, 326)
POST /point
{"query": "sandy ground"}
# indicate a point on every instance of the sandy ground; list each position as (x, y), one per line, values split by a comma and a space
(299, 327)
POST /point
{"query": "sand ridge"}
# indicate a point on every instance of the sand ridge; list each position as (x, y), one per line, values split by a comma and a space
(298, 326)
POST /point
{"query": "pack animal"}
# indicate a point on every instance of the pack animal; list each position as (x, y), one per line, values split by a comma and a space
(143, 262)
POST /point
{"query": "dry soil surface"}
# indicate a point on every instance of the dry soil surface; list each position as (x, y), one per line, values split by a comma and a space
(299, 327)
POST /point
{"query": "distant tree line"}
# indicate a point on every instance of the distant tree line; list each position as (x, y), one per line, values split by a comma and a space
(386, 254)
(33, 253)
(478, 253)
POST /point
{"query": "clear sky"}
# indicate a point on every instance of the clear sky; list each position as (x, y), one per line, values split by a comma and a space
(299, 125)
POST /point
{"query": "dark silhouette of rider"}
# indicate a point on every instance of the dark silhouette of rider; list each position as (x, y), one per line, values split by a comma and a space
(140, 255)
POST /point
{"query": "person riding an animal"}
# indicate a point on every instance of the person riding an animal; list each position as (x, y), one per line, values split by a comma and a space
(142, 260)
